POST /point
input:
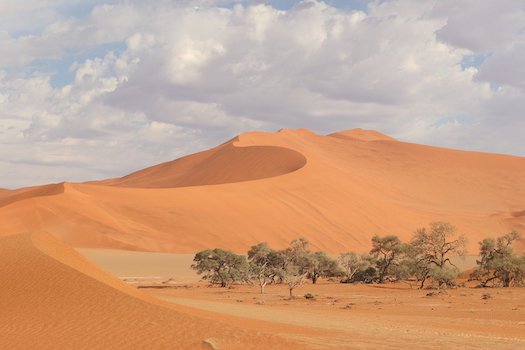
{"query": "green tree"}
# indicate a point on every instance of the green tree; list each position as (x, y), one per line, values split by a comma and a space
(319, 264)
(388, 251)
(221, 266)
(499, 263)
(431, 251)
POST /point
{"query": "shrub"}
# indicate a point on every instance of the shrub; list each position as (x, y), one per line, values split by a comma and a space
(309, 296)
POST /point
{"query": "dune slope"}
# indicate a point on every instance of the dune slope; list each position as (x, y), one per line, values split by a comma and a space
(51, 298)
(223, 164)
(336, 191)
(30, 192)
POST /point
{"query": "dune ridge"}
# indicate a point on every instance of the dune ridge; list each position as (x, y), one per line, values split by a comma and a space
(223, 164)
(362, 135)
(51, 298)
(337, 193)
(30, 192)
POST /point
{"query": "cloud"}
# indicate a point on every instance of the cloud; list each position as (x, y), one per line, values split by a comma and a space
(158, 80)
(481, 26)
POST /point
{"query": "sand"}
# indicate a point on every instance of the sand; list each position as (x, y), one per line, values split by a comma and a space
(223, 164)
(143, 266)
(337, 191)
(391, 316)
(52, 298)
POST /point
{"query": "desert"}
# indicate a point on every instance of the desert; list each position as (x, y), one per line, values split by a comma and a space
(129, 282)
(262, 174)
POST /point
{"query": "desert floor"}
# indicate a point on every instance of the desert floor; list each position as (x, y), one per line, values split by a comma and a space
(371, 316)
(342, 316)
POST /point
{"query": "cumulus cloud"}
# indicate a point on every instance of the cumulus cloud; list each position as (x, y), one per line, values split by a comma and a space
(156, 80)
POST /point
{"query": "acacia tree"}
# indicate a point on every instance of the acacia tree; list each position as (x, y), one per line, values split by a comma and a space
(319, 264)
(431, 251)
(220, 266)
(498, 261)
(293, 277)
(388, 250)
(352, 263)
(298, 247)
(292, 270)
(261, 259)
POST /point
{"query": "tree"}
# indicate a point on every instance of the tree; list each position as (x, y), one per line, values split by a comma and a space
(352, 263)
(293, 260)
(261, 259)
(388, 250)
(299, 246)
(431, 251)
(319, 264)
(499, 263)
(293, 277)
(220, 266)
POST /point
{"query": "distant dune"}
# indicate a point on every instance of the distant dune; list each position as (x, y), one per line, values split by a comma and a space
(52, 298)
(362, 135)
(336, 190)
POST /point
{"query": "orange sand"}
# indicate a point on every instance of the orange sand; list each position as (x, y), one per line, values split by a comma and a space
(52, 298)
(390, 316)
(337, 191)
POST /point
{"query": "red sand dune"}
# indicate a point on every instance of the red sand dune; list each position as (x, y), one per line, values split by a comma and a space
(336, 190)
(51, 298)
(223, 164)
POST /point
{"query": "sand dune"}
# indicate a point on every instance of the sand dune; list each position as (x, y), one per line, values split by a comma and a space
(9, 197)
(223, 164)
(51, 298)
(336, 190)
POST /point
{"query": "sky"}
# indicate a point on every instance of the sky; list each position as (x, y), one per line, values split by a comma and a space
(92, 89)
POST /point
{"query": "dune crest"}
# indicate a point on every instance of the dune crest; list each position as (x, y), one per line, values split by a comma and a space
(362, 135)
(30, 192)
(227, 163)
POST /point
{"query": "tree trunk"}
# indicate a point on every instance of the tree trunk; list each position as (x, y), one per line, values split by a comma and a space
(291, 293)
(262, 287)
(506, 281)
(314, 279)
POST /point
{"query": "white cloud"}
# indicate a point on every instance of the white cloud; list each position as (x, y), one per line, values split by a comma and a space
(188, 75)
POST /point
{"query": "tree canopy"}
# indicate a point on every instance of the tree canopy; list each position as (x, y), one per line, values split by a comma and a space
(431, 250)
(388, 251)
(220, 266)
(498, 263)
